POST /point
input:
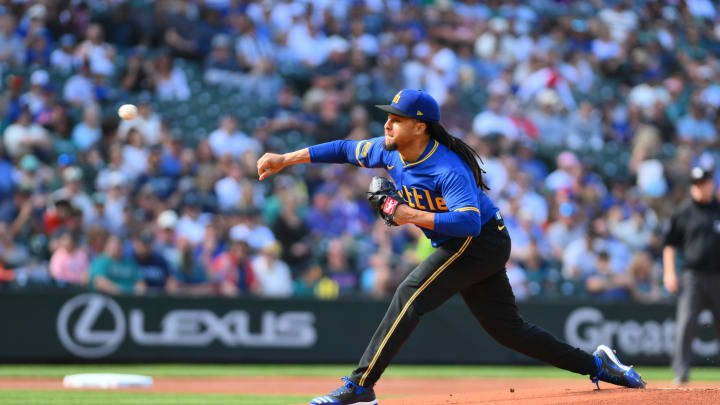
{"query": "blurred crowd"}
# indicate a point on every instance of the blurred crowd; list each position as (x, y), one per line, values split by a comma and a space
(588, 116)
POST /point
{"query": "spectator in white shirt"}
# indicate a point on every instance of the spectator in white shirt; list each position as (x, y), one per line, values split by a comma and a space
(620, 19)
(35, 99)
(530, 200)
(551, 124)
(585, 130)
(116, 202)
(250, 47)
(88, 132)
(283, 13)
(229, 189)
(79, 89)
(116, 163)
(272, 275)
(579, 257)
(229, 140)
(64, 59)
(568, 169)
(146, 122)
(565, 230)
(170, 81)
(648, 93)
(604, 47)
(701, 9)
(25, 136)
(134, 154)
(494, 121)
(12, 49)
(192, 224)
(95, 49)
(306, 42)
(696, 128)
(361, 39)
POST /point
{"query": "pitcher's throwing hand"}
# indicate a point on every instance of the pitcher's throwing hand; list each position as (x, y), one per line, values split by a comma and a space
(269, 164)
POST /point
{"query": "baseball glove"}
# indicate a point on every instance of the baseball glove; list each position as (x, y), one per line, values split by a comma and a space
(384, 198)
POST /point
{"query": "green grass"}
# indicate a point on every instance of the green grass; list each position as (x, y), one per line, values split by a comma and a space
(331, 371)
(23, 397)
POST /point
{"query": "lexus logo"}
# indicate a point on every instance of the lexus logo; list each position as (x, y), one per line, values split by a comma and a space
(82, 339)
(81, 331)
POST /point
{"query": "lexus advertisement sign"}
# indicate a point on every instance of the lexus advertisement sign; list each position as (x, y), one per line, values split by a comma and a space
(198, 328)
(90, 327)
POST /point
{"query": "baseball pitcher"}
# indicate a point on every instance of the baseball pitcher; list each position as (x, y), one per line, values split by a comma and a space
(437, 184)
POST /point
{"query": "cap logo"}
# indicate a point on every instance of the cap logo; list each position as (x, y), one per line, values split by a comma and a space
(419, 112)
(396, 99)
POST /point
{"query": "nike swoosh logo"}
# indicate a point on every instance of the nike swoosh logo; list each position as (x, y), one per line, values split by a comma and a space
(389, 167)
(500, 228)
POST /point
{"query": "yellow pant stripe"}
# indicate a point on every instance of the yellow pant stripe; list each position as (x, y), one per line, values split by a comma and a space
(410, 301)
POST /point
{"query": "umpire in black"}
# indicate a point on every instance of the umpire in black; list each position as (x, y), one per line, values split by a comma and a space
(694, 230)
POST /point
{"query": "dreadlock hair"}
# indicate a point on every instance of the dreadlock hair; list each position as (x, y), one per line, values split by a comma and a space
(468, 154)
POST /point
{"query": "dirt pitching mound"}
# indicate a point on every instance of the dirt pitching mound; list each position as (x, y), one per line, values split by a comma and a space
(426, 391)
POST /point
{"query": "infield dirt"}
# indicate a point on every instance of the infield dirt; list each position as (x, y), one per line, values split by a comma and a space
(425, 391)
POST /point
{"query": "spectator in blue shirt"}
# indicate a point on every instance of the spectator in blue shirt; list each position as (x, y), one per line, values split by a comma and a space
(153, 267)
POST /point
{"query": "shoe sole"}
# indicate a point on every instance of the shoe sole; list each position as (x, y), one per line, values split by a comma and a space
(608, 351)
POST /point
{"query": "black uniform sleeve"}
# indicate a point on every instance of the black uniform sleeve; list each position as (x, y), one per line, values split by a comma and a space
(675, 232)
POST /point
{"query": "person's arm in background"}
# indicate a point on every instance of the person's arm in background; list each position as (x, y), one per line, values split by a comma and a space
(673, 239)
(140, 287)
(669, 273)
(103, 284)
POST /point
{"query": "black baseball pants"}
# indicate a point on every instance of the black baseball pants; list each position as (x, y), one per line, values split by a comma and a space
(699, 291)
(474, 267)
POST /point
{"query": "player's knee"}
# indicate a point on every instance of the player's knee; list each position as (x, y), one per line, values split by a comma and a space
(404, 291)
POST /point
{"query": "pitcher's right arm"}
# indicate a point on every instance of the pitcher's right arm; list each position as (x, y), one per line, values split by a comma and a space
(366, 153)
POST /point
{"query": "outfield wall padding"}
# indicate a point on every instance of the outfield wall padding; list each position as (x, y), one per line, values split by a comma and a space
(89, 327)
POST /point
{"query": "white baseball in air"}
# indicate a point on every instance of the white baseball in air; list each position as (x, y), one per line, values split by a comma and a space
(127, 111)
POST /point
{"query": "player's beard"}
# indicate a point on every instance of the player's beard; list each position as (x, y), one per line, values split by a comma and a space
(390, 146)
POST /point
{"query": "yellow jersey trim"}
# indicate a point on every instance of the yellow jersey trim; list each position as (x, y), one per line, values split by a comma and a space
(410, 301)
(421, 160)
(365, 149)
(468, 209)
(357, 154)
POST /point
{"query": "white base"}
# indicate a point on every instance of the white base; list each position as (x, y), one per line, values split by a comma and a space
(107, 381)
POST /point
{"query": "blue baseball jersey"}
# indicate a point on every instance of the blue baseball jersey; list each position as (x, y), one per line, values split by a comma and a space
(438, 181)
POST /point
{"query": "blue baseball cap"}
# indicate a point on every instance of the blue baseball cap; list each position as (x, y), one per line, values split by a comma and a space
(413, 104)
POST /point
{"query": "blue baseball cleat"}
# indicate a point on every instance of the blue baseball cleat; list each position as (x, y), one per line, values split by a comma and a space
(610, 370)
(347, 394)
